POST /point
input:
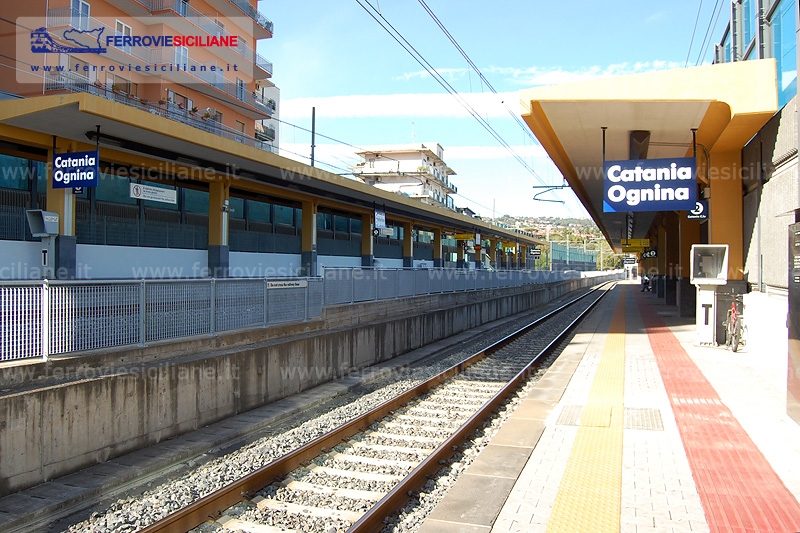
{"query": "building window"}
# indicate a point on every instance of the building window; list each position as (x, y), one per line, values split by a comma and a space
(195, 201)
(126, 86)
(81, 67)
(183, 8)
(181, 55)
(784, 48)
(125, 31)
(220, 28)
(241, 89)
(79, 14)
(748, 22)
(726, 47)
(284, 215)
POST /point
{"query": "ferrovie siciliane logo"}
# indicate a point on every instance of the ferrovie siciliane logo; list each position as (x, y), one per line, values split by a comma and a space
(42, 43)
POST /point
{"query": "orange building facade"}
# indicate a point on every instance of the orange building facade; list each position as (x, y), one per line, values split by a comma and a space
(193, 61)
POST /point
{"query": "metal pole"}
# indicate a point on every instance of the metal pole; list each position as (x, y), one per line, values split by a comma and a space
(45, 305)
(142, 311)
(313, 129)
(212, 308)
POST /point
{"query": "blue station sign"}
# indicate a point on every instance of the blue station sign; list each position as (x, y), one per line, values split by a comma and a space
(649, 185)
(76, 169)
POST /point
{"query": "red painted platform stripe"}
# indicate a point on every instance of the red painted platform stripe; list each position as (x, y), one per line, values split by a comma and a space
(738, 488)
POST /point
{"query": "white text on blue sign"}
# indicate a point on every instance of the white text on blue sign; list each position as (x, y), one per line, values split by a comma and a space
(75, 169)
(649, 185)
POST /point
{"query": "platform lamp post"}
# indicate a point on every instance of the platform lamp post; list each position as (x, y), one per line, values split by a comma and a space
(592, 239)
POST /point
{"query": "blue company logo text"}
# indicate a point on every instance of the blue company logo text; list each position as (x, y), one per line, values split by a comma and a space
(42, 43)
(75, 169)
(649, 185)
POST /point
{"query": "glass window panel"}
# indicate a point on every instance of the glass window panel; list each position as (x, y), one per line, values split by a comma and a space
(748, 22)
(195, 201)
(341, 224)
(258, 211)
(324, 221)
(355, 225)
(111, 188)
(237, 204)
(284, 215)
(727, 45)
(41, 184)
(784, 48)
(15, 172)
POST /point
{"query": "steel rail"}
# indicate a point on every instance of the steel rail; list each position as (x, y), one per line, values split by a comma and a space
(372, 521)
(211, 505)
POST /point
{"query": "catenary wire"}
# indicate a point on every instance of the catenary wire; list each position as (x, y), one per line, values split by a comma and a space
(707, 40)
(694, 30)
(474, 67)
(397, 36)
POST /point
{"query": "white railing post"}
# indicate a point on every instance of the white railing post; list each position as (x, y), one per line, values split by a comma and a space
(45, 320)
(308, 282)
(266, 304)
(142, 313)
(213, 307)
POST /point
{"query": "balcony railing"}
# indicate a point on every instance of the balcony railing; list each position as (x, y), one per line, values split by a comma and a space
(254, 14)
(210, 27)
(67, 17)
(267, 134)
(72, 82)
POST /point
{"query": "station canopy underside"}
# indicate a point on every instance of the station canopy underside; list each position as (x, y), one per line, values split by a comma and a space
(129, 134)
(727, 104)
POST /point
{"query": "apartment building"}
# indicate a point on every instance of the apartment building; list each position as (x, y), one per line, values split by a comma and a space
(192, 61)
(415, 170)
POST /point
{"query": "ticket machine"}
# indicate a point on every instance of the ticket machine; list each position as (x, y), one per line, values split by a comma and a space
(44, 224)
(709, 264)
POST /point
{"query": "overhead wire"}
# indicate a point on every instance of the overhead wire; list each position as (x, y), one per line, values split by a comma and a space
(419, 58)
(694, 30)
(474, 67)
(707, 40)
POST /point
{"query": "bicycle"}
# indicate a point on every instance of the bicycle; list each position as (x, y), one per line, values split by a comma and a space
(735, 329)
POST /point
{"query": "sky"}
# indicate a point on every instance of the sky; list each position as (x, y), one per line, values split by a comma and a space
(367, 90)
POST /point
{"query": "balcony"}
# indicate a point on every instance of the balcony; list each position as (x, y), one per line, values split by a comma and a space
(255, 14)
(209, 26)
(69, 81)
(432, 173)
(65, 17)
(266, 134)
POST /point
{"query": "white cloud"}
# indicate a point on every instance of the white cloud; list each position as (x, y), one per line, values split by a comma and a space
(442, 105)
(533, 76)
(398, 105)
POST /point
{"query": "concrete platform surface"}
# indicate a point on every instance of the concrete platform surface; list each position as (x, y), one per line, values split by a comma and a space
(651, 433)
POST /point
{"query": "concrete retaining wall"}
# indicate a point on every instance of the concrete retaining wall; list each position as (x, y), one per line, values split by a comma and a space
(72, 412)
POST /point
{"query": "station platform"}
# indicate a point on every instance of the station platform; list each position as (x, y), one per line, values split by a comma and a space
(636, 428)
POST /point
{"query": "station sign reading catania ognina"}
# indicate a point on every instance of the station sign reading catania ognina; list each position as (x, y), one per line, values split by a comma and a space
(649, 185)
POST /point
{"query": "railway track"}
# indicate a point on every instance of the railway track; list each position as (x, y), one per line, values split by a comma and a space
(355, 476)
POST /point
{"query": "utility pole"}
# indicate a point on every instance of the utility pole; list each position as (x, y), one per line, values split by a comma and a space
(313, 128)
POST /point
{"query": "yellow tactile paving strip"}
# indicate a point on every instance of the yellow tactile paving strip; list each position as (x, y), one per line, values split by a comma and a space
(589, 497)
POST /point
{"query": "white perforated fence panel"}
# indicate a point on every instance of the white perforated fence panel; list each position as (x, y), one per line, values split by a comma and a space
(177, 309)
(239, 303)
(92, 316)
(20, 322)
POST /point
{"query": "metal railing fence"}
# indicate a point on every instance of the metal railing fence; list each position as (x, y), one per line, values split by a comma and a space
(45, 318)
(349, 285)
